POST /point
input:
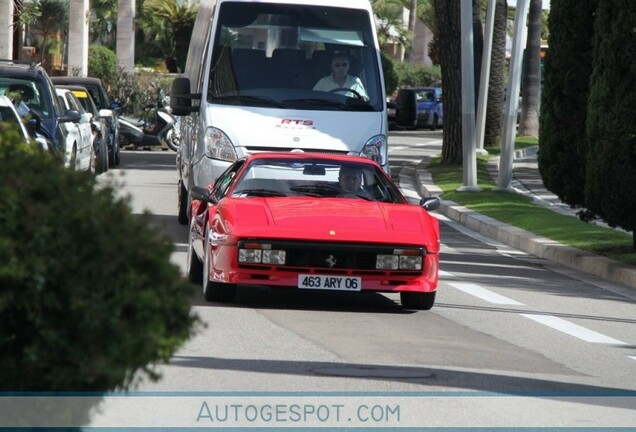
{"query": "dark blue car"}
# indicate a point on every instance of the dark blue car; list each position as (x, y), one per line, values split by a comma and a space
(429, 106)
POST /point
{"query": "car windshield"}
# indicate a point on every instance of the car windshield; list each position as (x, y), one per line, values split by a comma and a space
(315, 178)
(274, 56)
(31, 92)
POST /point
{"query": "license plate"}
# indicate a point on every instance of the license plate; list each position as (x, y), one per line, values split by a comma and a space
(336, 283)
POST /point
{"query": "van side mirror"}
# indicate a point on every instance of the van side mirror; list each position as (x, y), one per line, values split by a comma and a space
(430, 203)
(181, 98)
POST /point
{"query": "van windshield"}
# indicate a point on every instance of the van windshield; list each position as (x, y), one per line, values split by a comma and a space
(295, 57)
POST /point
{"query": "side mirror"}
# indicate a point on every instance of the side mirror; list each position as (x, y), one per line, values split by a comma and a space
(181, 98)
(202, 194)
(71, 115)
(115, 106)
(430, 203)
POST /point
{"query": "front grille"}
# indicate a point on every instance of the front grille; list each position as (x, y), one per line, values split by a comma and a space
(331, 257)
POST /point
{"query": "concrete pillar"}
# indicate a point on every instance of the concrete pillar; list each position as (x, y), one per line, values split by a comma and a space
(6, 29)
(125, 44)
(78, 38)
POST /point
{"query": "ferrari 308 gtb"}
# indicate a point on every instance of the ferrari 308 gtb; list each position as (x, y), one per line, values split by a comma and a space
(312, 221)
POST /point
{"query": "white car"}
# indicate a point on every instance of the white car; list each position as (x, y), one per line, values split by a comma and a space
(8, 114)
(80, 153)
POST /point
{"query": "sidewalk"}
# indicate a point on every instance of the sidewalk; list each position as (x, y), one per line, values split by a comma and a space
(526, 179)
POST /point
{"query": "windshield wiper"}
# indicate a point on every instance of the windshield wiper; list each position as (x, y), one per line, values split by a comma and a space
(246, 99)
(260, 193)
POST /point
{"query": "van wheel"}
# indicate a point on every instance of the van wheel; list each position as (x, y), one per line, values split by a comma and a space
(182, 194)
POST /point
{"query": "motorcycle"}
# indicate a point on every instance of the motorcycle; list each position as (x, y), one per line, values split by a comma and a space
(144, 133)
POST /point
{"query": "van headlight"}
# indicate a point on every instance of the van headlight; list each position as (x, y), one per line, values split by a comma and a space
(376, 149)
(218, 145)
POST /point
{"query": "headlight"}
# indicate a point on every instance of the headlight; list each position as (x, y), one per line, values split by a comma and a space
(402, 259)
(376, 149)
(261, 253)
(218, 145)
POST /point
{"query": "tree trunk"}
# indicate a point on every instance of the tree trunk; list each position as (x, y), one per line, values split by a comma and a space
(411, 27)
(126, 35)
(531, 85)
(447, 15)
(493, 132)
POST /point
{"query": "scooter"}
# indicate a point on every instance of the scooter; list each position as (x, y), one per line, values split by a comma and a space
(142, 133)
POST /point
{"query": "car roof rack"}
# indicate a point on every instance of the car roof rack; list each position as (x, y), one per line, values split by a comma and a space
(32, 65)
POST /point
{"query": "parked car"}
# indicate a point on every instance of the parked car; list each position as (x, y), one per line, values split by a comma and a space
(99, 125)
(80, 154)
(30, 87)
(108, 109)
(430, 107)
(9, 115)
(294, 220)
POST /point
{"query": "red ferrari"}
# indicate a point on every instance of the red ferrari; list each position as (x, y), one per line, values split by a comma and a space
(312, 221)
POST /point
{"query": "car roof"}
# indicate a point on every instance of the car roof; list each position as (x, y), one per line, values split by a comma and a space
(76, 80)
(22, 69)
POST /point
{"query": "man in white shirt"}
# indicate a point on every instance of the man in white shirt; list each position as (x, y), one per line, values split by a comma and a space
(340, 79)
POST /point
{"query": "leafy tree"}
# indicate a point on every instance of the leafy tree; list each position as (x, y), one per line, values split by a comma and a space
(46, 17)
(567, 69)
(611, 165)
(103, 22)
(90, 301)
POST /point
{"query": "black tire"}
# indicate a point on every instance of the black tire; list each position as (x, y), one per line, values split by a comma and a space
(417, 300)
(195, 267)
(215, 291)
(102, 153)
(183, 203)
(172, 140)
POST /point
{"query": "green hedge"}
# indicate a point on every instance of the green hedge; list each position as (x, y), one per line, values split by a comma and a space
(89, 296)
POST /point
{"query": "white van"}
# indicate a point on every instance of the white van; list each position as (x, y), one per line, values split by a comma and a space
(249, 85)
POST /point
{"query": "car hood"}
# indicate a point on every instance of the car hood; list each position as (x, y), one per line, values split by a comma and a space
(329, 219)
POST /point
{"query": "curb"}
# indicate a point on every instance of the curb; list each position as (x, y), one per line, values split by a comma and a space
(604, 268)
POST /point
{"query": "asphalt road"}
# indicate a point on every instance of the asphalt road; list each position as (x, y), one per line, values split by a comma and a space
(512, 341)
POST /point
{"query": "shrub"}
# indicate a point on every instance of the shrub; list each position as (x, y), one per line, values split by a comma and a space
(390, 76)
(102, 63)
(413, 75)
(89, 299)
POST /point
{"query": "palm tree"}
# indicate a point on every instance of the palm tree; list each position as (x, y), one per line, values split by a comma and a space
(448, 36)
(169, 24)
(531, 83)
(103, 21)
(125, 45)
(493, 131)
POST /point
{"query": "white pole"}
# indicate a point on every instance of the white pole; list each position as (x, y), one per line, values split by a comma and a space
(512, 97)
(6, 29)
(78, 38)
(468, 99)
(485, 75)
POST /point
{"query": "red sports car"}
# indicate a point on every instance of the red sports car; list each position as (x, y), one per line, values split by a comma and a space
(312, 221)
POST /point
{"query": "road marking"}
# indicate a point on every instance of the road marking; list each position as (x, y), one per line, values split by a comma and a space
(632, 357)
(573, 329)
(484, 294)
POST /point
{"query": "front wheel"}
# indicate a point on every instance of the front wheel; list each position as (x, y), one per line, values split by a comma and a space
(215, 291)
(172, 140)
(417, 300)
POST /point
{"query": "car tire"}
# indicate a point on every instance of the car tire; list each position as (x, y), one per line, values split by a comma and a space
(417, 300)
(100, 164)
(195, 267)
(182, 195)
(215, 291)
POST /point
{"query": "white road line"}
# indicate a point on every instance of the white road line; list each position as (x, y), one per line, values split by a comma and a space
(632, 357)
(483, 294)
(573, 329)
(446, 275)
